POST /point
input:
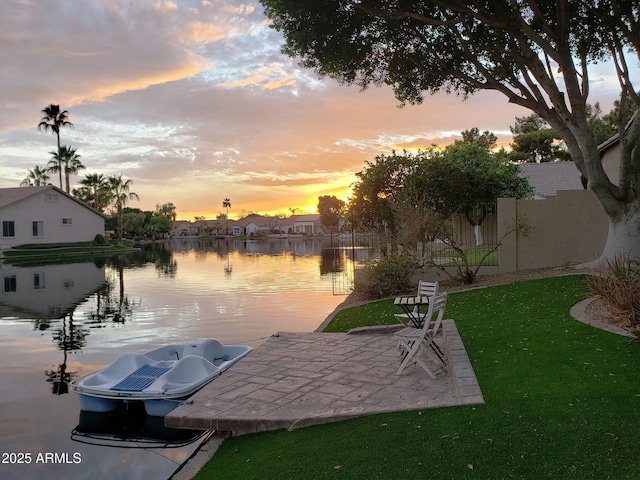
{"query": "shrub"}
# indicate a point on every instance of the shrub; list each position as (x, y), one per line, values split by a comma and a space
(619, 287)
(386, 277)
(99, 240)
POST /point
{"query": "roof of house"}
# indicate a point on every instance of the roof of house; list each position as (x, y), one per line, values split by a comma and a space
(9, 196)
(312, 217)
(549, 177)
(254, 218)
(607, 144)
(614, 140)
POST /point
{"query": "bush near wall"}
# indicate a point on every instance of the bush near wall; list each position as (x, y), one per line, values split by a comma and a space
(387, 277)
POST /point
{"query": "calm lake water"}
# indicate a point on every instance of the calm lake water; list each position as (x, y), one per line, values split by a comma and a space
(60, 322)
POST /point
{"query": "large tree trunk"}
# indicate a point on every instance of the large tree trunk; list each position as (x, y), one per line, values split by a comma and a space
(620, 202)
(623, 238)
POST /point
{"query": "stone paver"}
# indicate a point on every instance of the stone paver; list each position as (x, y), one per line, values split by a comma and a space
(301, 379)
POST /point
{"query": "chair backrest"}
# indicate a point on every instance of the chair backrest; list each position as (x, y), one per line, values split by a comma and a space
(437, 305)
(433, 317)
(427, 289)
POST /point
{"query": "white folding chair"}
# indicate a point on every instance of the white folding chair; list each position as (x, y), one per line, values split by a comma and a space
(414, 341)
(425, 289)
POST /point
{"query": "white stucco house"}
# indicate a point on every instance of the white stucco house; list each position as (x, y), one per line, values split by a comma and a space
(304, 224)
(180, 228)
(45, 214)
(255, 224)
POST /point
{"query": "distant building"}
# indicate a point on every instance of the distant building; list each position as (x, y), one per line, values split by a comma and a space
(180, 228)
(548, 178)
(46, 214)
(255, 224)
(302, 224)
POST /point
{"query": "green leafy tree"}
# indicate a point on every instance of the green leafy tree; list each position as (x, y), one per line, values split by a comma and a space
(466, 179)
(158, 225)
(537, 53)
(462, 176)
(167, 210)
(486, 139)
(54, 119)
(331, 209)
(605, 126)
(36, 177)
(133, 223)
(534, 141)
(462, 181)
(120, 193)
(370, 207)
(600, 129)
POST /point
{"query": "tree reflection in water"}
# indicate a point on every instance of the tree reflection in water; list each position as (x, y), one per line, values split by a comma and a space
(70, 338)
(112, 305)
(331, 261)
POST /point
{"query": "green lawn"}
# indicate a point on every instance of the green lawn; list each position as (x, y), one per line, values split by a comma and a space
(474, 256)
(562, 401)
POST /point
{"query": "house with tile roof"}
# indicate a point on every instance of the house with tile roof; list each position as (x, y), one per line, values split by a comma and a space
(303, 224)
(255, 224)
(46, 214)
(180, 228)
(550, 177)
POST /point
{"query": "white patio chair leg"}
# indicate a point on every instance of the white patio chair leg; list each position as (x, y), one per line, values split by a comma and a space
(409, 357)
(426, 368)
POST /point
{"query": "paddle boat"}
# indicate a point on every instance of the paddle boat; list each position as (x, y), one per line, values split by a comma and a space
(161, 379)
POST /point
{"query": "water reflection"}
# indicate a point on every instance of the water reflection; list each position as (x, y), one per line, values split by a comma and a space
(112, 304)
(46, 292)
(131, 428)
(58, 322)
(69, 338)
(48, 295)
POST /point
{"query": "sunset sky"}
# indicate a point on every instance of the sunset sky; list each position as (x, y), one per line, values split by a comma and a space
(193, 101)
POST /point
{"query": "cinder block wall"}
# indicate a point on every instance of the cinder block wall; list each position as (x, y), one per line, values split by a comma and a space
(568, 229)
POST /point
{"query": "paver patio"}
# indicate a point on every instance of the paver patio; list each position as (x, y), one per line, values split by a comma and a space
(300, 379)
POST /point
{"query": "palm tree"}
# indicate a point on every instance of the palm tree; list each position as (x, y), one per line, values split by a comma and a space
(226, 203)
(119, 190)
(55, 119)
(36, 177)
(68, 160)
(201, 220)
(97, 183)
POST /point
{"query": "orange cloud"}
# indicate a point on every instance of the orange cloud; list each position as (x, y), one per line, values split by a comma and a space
(202, 33)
